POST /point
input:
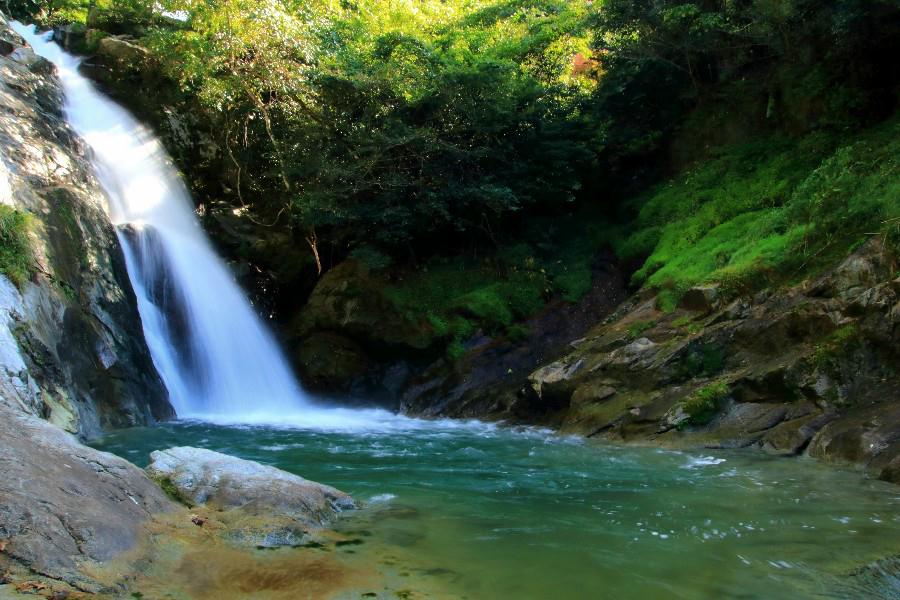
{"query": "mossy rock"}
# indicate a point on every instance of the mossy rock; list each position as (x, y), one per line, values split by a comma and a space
(351, 301)
(330, 362)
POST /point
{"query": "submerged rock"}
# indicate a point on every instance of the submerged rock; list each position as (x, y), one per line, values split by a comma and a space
(201, 476)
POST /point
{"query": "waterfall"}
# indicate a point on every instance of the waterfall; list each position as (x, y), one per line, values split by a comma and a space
(214, 354)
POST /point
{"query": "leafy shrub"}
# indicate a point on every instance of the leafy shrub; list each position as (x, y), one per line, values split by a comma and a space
(639, 327)
(704, 360)
(703, 405)
(16, 257)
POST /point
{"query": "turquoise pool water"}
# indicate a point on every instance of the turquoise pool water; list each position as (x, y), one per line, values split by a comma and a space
(482, 512)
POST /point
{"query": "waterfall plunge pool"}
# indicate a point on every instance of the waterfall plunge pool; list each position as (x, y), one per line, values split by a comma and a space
(468, 510)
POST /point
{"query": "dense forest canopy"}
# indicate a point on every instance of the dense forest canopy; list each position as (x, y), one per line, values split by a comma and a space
(537, 131)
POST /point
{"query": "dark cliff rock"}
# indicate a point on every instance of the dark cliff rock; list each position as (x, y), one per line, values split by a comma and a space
(73, 349)
(485, 381)
(351, 340)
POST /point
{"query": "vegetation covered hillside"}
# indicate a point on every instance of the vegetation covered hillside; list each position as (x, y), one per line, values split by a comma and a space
(476, 155)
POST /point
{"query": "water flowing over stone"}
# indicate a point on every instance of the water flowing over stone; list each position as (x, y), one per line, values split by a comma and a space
(214, 354)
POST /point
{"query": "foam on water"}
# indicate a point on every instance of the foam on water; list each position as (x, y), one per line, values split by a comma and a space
(340, 420)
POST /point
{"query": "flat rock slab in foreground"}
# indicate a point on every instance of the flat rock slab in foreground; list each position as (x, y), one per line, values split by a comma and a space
(206, 477)
(62, 504)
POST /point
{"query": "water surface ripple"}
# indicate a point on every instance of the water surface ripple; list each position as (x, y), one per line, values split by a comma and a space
(485, 512)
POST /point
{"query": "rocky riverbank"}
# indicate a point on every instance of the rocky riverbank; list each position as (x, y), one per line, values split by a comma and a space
(66, 508)
(75, 521)
(809, 369)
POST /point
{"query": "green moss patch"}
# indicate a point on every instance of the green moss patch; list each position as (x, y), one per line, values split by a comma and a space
(764, 213)
(171, 490)
(16, 255)
(639, 327)
(704, 404)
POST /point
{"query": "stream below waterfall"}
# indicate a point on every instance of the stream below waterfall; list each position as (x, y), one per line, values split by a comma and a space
(466, 510)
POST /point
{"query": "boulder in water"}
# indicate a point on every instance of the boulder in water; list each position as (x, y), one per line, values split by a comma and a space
(201, 476)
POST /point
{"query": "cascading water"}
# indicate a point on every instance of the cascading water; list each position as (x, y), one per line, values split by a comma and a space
(214, 354)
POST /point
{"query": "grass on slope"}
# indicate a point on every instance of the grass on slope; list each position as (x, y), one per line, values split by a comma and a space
(16, 261)
(767, 212)
(459, 296)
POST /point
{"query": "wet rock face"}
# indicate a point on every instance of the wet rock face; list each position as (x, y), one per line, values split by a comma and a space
(79, 358)
(352, 301)
(812, 368)
(348, 336)
(64, 504)
(869, 436)
(287, 505)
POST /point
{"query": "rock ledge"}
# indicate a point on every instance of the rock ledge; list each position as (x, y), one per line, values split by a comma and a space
(205, 477)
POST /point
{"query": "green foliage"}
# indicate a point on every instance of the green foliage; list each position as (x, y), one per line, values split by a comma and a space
(510, 132)
(111, 16)
(667, 299)
(574, 281)
(704, 404)
(703, 360)
(16, 257)
(44, 11)
(371, 258)
(835, 344)
(708, 220)
(684, 321)
(688, 324)
(393, 123)
(460, 298)
(766, 212)
(639, 327)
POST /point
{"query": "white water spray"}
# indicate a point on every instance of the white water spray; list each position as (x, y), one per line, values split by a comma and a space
(214, 354)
